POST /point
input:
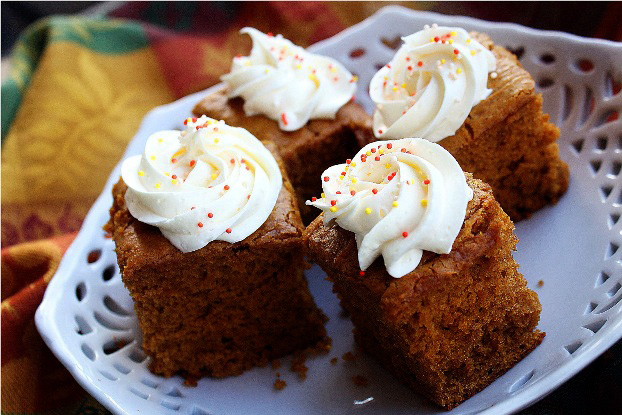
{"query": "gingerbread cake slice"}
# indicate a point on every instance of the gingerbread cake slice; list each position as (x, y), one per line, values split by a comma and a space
(476, 100)
(209, 243)
(446, 322)
(300, 101)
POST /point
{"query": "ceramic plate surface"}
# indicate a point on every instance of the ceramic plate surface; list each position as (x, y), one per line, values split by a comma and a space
(87, 316)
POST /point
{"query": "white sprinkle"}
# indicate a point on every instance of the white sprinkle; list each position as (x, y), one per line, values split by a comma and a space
(493, 75)
(434, 25)
(426, 27)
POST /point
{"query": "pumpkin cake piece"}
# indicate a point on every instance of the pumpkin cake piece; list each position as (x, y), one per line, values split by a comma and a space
(487, 114)
(300, 101)
(447, 312)
(209, 243)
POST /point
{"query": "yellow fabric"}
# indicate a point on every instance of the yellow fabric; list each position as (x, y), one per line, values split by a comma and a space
(73, 126)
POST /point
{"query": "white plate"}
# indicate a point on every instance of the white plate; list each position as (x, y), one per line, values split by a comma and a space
(574, 247)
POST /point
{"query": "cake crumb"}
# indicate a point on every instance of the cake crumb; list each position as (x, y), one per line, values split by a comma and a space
(360, 380)
(276, 364)
(278, 374)
(190, 381)
(540, 283)
(279, 384)
(333, 361)
(349, 357)
(298, 365)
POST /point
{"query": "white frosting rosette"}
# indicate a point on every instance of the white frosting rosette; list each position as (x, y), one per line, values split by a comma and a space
(399, 198)
(207, 182)
(430, 86)
(288, 84)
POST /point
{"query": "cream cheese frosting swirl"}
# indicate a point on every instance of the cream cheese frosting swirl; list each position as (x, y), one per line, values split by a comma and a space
(399, 198)
(207, 182)
(286, 83)
(430, 86)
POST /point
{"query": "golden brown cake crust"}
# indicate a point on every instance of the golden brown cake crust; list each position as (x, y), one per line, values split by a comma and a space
(306, 152)
(223, 308)
(455, 323)
(509, 143)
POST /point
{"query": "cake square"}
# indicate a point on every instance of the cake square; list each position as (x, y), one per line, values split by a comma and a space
(226, 307)
(454, 324)
(306, 152)
(508, 141)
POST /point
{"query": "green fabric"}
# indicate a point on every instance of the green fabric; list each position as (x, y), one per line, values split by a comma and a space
(98, 34)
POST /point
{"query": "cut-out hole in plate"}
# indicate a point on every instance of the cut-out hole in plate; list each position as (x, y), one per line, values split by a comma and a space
(113, 306)
(613, 219)
(392, 43)
(608, 116)
(150, 382)
(108, 323)
(521, 382)
(595, 326)
(137, 355)
(611, 304)
(545, 83)
(357, 53)
(615, 169)
(519, 51)
(81, 291)
(601, 143)
(595, 165)
(139, 393)
(572, 347)
(614, 290)
(590, 307)
(567, 103)
(612, 85)
(170, 405)
(121, 368)
(83, 327)
(585, 65)
(199, 411)
(612, 249)
(108, 375)
(605, 191)
(547, 58)
(114, 345)
(109, 272)
(587, 107)
(577, 145)
(88, 352)
(601, 279)
(93, 256)
(174, 392)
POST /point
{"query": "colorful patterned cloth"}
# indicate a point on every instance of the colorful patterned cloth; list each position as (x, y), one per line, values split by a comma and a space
(76, 95)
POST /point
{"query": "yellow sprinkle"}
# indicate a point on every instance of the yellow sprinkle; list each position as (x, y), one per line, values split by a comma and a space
(394, 204)
(174, 181)
(394, 88)
(160, 140)
(442, 61)
(188, 120)
(353, 164)
(468, 41)
(424, 202)
(341, 177)
(216, 140)
(381, 151)
(455, 58)
(368, 153)
(167, 173)
(346, 168)
(315, 80)
(388, 165)
(158, 185)
(333, 69)
(141, 173)
(432, 39)
(473, 52)
(152, 157)
(453, 33)
(323, 195)
(298, 66)
(214, 175)
(403, 85)
(179, 152)
(333, 208)
(355, 78)
(368, 211)
(354, 180)
(451, 41)
(267, 70)
(459, 70)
